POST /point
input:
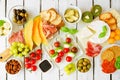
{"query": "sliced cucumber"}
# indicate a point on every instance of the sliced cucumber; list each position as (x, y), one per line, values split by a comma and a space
(87, 17)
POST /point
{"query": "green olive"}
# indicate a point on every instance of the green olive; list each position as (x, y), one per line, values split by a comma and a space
(84, 63)
(81, 61)
(88, 66)
(22, 14)
(14, 20)
(84, 67)
(19, 22)
(26, 15)
(80, 65)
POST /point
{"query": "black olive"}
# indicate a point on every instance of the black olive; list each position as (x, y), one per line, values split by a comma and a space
(15, 11)
(23, 10)
(19, 17)
(24, 20)
(18, 12)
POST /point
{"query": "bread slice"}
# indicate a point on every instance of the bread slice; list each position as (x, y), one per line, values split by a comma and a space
(60, 25)
(53, 14)
(57, 21)
(45, 15)
(111, 21)
(113, 26)
(105, 16)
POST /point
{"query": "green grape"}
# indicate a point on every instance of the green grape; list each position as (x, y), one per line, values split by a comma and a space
(25, 53)
(14, 44)
(13, 47)
(26, 47)
(15, 51)
(22, 45)
(20, 49)
(15, 55)
(18, 44)
(20, 55)
(26, 50)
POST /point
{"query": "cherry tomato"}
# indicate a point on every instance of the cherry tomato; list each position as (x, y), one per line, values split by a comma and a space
(38, 57)
(28, 65)
(32, 54)
(52, 52)
(61, 54)
(68, 59)
(66, 50)
(39, 51)
(33, 68)
(27, 59)
(57, 44)
(58, 59)
(32, 61)
(68, 40)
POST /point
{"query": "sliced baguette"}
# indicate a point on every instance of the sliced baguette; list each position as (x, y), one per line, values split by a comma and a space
(111, 21)
(45, 15)
(105, 16)
(57, 21)
(53, 14)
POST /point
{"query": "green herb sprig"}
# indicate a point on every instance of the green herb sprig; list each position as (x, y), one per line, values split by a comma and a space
(2, 22)
(104, 32)
(68, 30)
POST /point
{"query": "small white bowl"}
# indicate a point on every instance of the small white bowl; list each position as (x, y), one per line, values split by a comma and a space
(79, 12)
(7, 20)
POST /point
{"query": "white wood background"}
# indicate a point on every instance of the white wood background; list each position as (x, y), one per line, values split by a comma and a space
(34, 7)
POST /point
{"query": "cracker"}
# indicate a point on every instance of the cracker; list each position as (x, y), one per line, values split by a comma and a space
(107, 55)
(116, 50)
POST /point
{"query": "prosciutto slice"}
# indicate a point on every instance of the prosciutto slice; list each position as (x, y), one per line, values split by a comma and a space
(17, 37)
(49, 30)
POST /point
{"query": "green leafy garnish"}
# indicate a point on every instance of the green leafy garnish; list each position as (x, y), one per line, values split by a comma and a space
(65, 29)
(2, 22)
(71, 31)
(104, 29)
(103, 33)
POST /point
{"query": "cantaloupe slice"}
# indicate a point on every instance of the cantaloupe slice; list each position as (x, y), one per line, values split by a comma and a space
(44, 40)
(36, 34)
(28, 34)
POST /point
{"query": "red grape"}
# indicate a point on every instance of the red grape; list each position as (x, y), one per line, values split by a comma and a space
(39, 51)
(68, 59)
(33, 68)
(68, 40)
(57, 44)
(52, 52)
(58, 59)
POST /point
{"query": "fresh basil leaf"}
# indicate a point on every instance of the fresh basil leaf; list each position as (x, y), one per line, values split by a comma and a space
(73, 31)
(65, 29)
(102, 34)
(104, 29)
(2, 22)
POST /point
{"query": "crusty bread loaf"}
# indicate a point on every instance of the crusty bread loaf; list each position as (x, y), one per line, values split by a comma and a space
(53, 14)
(45, 15)
(57, 21)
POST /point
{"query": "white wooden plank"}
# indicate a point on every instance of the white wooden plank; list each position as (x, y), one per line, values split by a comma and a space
(2, 41)
(85, 5)
(10, 4)
(63, 5)
(53, 74)
(115, 5)
(98, 70)
(33, 10)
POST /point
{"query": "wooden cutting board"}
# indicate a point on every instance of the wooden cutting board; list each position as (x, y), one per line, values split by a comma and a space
(5, 55)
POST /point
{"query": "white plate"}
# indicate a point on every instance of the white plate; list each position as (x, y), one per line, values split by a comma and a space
(61, 38)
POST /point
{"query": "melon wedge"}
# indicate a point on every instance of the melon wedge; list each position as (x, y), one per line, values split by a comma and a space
(28, 34)
(36, 34)
(44, 40)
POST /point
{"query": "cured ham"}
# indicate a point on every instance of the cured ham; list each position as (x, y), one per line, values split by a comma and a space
(93, 49)
(49, 30)
(17, 37)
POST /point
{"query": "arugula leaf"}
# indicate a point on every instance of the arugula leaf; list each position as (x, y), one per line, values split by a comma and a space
(2, 22)
(73, 31)
(65, 29)
(102, 34)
